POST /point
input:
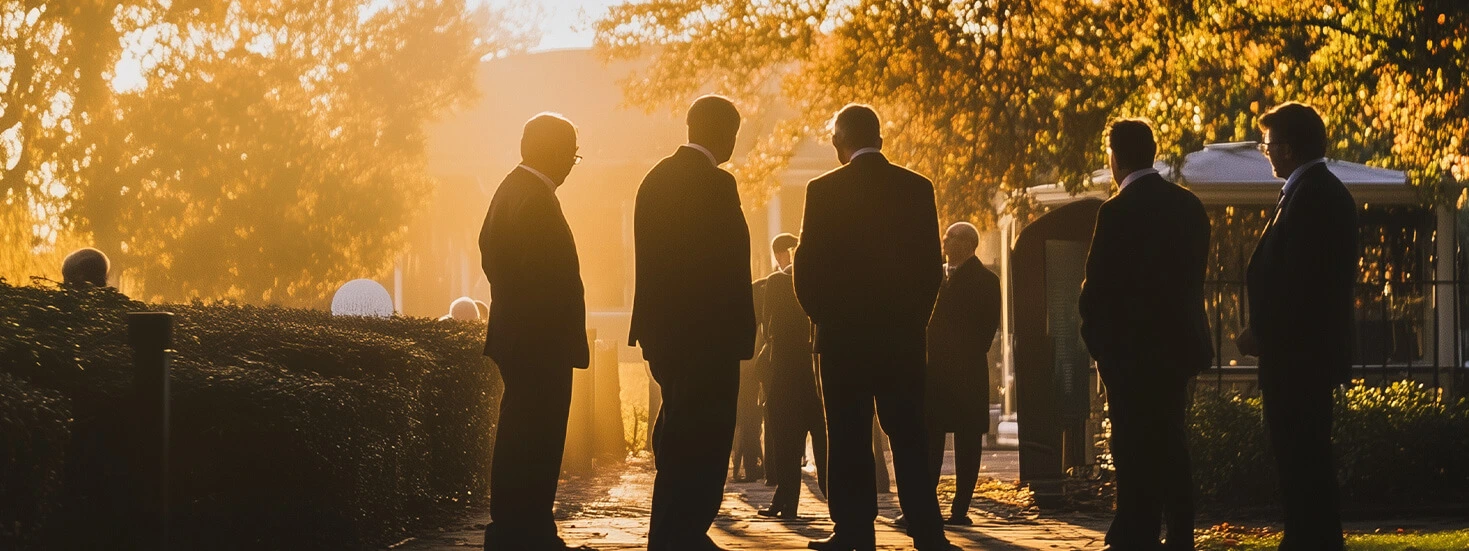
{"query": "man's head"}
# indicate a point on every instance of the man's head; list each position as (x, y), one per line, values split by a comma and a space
(781, 247)
(85, 267)
(1130, 147)
(463, 309)
(855, 127)
(713, 123)
(1294, 134)
(548, 145)
(960, 241)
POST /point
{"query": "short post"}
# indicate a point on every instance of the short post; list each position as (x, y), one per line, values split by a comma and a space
(151, 335)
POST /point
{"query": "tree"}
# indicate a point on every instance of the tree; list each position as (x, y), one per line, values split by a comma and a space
(263, 150)
(993, 96)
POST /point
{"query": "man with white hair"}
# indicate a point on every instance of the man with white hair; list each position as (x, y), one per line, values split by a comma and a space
(965, 318)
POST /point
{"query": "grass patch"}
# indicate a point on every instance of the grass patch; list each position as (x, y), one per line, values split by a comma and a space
(1237, 538)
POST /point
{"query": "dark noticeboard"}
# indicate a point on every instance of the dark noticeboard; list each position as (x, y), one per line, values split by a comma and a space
(1052, 367)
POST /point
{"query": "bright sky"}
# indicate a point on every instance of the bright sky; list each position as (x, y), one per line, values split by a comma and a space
(564, 23)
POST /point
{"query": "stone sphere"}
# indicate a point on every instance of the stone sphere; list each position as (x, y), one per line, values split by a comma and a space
(362, 297)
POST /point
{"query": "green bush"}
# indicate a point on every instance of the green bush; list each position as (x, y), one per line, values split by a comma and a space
(1396, 446)
(291, 428)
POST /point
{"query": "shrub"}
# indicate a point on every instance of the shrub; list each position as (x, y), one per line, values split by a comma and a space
(1396, 446)
(291, 428)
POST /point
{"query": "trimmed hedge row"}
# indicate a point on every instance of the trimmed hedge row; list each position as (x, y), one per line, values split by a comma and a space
(1397, 447)
(291, 428)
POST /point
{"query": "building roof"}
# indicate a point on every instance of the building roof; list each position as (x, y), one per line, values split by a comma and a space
(1237, 173)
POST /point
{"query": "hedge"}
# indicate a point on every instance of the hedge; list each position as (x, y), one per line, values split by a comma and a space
(291, 428)
(1398, 448)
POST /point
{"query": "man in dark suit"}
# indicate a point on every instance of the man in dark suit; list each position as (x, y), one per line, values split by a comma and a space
(537, 334)
(1300, 284)
(749, 456)
(792, 398)
(694, 316)
(1143, 320)
(965, 318)
(867, 272)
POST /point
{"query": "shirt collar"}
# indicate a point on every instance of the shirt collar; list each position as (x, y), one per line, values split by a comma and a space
(537, 173)
(1135, 175)
(864, 151)
(704, 150)
(1295, 175)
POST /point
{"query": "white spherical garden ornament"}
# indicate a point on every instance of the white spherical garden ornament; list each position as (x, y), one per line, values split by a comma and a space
(362, 297)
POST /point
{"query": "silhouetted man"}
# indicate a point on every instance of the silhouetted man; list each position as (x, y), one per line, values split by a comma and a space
(749, 455)
(867, 271)
(965, 318)
(1142, 316)
(694, 316)
(1300, 284)
(791, 395)
(85, 266)
(537, 334)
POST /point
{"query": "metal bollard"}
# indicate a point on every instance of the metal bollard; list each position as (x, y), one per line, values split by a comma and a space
(151, 335)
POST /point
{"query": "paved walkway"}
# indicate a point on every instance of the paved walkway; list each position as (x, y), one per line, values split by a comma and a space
(610, 511)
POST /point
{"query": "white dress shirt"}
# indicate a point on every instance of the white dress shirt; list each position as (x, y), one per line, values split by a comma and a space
(1295, 175)
(864, 151)
(1139, 173)
(704, 150)
(543, 177)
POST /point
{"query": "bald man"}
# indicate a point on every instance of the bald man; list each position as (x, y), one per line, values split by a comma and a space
(694, 317)
(965, 318)
(536, 335)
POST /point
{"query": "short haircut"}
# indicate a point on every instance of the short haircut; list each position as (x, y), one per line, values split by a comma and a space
(545, 134)
(713, 114)
(859, 125)
(85, 266)
(967, 230)
(784, 242)
(1299, 126)
(1131, 141)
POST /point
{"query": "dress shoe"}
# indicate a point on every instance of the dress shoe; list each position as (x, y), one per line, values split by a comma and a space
(959, 520)
(836, 543)
(772, 512)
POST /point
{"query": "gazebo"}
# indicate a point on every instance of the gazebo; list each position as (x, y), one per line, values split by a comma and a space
(1407, 293)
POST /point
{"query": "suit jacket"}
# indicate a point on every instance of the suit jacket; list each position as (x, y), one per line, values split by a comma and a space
(869, 264)
(537, 307)
(1142, 303)
(1301, 280)
(965, 318)
(786, 328)
(693, 293)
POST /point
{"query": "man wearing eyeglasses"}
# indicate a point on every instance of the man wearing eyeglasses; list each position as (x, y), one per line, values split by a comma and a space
(1300, 285)
(536, 335)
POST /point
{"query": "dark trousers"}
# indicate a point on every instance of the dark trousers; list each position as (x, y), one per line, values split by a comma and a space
(1298, 417)
(794, 413)
(851, 381)
(748, 458)
(968, 451)
(691, 446)
(527, 459)
(1150, 453)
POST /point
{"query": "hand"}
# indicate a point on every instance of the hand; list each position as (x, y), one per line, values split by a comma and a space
(1247, 343)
